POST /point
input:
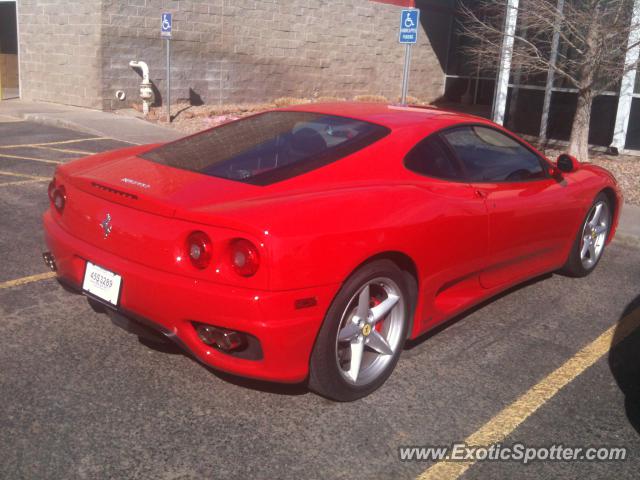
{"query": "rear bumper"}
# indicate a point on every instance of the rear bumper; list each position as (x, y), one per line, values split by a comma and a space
(170, 302)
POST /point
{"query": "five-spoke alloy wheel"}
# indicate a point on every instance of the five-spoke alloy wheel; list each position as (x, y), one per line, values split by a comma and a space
(363, 333)
(592, 238)
(370, 330)
(594, 233)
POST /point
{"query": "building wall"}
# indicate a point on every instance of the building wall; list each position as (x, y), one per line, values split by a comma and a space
(60, 44)
(78, 52)
(250, 50)
(8, 70)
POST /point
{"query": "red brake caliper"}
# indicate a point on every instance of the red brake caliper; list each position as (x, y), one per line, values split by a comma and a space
(374, 302)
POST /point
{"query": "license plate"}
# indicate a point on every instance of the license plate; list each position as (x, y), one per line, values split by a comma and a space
(102, 283)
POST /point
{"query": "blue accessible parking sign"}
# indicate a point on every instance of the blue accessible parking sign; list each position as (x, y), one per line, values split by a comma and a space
(409, 26)
(165, 26)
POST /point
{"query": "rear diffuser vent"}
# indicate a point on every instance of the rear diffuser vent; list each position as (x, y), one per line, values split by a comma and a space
(114, 191)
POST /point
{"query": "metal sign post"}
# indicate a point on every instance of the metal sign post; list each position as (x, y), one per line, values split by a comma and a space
(165, 32)
(409, 20)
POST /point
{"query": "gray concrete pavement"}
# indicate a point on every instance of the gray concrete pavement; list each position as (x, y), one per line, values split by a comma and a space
(629, 228)
(95, 122)
(81, 398)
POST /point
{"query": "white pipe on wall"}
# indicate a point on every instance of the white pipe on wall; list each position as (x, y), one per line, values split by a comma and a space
(142, 66)
(146, 92)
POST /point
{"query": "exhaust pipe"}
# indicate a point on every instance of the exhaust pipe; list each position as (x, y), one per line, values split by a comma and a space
(49, 261)
(225, 340)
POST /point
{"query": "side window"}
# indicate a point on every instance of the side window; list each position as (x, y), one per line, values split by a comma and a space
(430, 157)
(491, 156)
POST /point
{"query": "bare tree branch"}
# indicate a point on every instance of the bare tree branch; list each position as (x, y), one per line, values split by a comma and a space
(593, 37)
(591, 56)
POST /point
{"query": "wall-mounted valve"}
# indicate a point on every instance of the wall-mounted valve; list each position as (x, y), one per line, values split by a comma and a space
(146, 90)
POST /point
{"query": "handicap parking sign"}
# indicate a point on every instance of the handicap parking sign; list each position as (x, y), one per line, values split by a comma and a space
(409, 25)
(165, 26)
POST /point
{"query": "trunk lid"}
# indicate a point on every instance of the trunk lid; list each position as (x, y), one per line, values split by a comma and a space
(150, 187)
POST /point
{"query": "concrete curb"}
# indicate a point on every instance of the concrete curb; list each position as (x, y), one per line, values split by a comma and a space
(136, 131)
(126, 128)
(629, 227)
(47, 119)
(627, 240)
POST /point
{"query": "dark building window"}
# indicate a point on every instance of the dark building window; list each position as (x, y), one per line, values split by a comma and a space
(8, 30)
(603, 117)
(633, 134)
(524, 110)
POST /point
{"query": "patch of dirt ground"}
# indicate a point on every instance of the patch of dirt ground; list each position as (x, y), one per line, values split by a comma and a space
(191, 119)
(626, 169)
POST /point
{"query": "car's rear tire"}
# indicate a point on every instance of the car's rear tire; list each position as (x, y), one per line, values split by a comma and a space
(590, 241)
(363, 333)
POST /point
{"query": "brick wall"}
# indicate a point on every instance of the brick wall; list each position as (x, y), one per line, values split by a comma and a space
(60, 51)
(222, 50)
(254, 50)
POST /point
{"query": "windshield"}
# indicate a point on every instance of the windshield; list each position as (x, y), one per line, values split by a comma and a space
(269, 147)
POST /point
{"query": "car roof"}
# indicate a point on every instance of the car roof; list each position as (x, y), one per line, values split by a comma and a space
(390, 115)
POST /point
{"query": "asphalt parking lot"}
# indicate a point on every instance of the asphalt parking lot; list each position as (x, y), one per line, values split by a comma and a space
(82, 398)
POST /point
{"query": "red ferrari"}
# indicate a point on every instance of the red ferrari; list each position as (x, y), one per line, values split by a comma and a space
(309, 243)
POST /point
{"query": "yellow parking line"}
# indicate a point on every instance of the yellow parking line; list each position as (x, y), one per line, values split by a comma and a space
(20, 157)
(25, 280)
(13, 174)
(21, 182)
(63, 150)
(505, 422)
(63, 142)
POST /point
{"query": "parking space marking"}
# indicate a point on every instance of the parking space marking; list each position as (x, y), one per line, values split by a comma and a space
(506, 421)
(62, 150)
(62, 142)
(25, 280)
(21, 182)
(24, 175)
(20, 157)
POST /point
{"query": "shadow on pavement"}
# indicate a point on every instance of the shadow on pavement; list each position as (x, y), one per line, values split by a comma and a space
(155, 341)
(411, 344)
(624, 360)
(171, 348)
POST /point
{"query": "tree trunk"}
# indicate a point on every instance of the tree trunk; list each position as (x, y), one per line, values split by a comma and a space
(579, 141)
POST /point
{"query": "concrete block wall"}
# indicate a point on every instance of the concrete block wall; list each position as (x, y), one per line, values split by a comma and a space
(60, 45)
(78, 51)
(255, 50)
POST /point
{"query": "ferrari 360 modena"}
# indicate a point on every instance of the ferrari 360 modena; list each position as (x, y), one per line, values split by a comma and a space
(309, 243)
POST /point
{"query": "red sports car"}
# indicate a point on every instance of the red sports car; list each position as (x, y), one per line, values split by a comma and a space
(309, 243)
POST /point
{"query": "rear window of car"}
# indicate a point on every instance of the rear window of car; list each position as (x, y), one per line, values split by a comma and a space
(269, 147)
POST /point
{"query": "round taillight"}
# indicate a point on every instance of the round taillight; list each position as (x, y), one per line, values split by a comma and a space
(51, 189)
(199, 249)
(59, 198)
(245, 258)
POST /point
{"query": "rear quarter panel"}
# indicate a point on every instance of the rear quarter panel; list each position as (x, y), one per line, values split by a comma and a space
(322, 238)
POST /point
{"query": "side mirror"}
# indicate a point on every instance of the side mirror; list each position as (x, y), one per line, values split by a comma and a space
(567, 163)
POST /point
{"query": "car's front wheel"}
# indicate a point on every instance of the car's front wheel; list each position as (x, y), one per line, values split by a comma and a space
(592, 237)
(363, 333)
